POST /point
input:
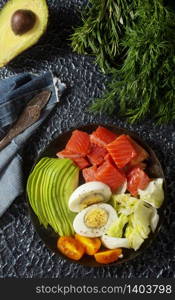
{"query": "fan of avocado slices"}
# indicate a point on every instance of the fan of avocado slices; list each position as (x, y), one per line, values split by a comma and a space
(49, 187)
(22, 23)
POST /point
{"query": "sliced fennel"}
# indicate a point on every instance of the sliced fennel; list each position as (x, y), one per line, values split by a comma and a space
(153, 194)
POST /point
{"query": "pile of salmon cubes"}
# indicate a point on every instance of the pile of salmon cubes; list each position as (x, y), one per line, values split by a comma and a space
(113, 159)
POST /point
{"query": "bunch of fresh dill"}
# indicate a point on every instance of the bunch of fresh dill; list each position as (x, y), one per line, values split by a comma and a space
(103, 26)
(144, 84)
(147, 78)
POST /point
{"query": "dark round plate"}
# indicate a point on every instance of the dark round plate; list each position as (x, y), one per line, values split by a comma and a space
(154, 170)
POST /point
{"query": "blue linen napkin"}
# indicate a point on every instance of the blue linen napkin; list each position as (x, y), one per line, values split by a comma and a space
(15, 92)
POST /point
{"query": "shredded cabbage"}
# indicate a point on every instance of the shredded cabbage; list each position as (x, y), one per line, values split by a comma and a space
(116, 229)
(133, 236)
(124, 204)
(138, 218)
(154, 220)
(141, 219)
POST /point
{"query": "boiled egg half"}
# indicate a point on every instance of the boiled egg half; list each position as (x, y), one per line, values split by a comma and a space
(93, 221)
(88, 194)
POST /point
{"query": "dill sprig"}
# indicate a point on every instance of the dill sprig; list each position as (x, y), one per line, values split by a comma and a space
(103, 26)
(145, 84)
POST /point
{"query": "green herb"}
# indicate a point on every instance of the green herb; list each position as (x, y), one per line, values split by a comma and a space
(103, 26)
(145, 31)
(145, 83)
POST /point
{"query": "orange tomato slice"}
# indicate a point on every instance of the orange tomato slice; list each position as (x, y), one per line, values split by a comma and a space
(108, 256)
(70, 247)
(91, 245)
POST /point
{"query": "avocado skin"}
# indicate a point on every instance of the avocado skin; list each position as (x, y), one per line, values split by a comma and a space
(11, 44)
(49, 187)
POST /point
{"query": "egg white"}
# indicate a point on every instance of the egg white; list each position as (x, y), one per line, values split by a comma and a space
(81, 228)
(86, 190)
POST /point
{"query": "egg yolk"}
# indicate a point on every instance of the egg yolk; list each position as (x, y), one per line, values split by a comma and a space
(91, 199)
(96, 218)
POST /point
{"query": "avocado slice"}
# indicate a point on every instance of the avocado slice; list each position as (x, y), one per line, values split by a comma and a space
(39, 179)
(51, 183)
(12, 43)
(49, 187)
(70, 184)
(60, 217)
(35, 179)
(62, 198)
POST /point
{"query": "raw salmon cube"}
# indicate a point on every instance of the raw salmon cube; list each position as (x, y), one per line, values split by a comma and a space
(97, 154)
(110, 175)
(79, 143)
(89, 173)
(122, 151)
(142, 154)
(80, 161)
(68, 154)
(137, 179)
(129, 167)
(109, 158)
(102, 136)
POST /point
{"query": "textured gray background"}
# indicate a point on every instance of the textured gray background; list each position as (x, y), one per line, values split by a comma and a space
(22, 253)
